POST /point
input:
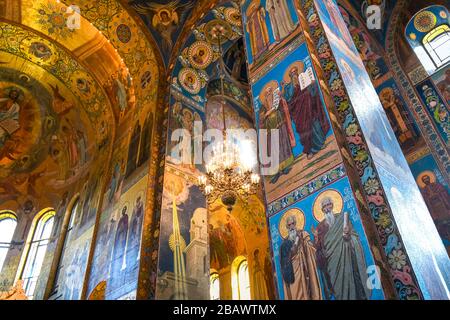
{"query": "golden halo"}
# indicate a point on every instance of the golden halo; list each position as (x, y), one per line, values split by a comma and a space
(186, 112)
(161, 11)
(189, 80)
(139, 194)
(99, 291)
(425, 173)
(300, 218)
(188, 116)
(297, 64)
(335, 196)
(271, 84)
(194, 58)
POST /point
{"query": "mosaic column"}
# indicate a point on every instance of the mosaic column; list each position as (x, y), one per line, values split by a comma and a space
(416, 125)
(343, 190)
(185, 230)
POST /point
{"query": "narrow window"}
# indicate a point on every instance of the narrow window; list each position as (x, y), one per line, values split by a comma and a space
(36, 251)
(437, 45)
(8, 223)
(214, 288)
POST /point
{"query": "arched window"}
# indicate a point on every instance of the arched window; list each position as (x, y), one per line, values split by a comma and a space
(428, 34)
(214, 286)
(67, 238)
(437, 45)
(37, 247)
(244, 281)
(8, 223)
(240, 279)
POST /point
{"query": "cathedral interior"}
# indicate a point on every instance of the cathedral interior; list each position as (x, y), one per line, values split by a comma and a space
(124, 174)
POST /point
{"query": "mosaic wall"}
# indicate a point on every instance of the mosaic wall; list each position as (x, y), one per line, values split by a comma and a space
(325, 232)
(183, 271)
(307, 144)
(243, 233)
(91, 77)
(411, 134)
(332, 37)
(311, 179)
(436, 193)
(47, 147)
(116, 258)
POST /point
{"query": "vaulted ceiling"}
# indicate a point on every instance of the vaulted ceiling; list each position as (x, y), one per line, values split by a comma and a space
(80, 82)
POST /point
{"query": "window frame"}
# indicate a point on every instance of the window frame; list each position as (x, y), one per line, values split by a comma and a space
(236, 285)
(66, 237)
(214, 276)
(428, 39)
(244, 263)
(7, 215)
(34, 247)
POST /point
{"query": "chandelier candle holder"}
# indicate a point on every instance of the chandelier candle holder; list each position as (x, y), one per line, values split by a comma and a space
(229, 174)
(227, 177)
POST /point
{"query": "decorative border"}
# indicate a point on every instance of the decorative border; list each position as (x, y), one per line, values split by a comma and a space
(417, 75)
(148, 269)
(403, 277)
(275, 58)
(177, 95)
(417, 155)
(439, 112)
(306, 190)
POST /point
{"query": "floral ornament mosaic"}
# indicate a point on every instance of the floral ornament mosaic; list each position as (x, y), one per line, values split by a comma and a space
(400, 267)
(436, 107)
(306, 190)
(52, 16)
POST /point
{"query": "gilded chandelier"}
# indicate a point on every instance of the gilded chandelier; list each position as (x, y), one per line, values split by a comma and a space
(229, 173)
(227, 176)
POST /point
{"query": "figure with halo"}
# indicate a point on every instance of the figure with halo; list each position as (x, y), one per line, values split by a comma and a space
(339, 254)
(297, 259)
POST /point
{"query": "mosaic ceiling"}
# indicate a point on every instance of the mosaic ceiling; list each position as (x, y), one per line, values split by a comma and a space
(64, 90)
(108, 63)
